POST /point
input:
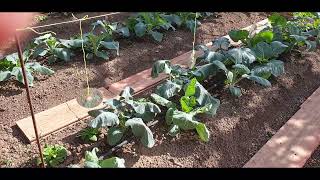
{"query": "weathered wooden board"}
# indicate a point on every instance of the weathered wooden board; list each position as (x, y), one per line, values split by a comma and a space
(295, 142)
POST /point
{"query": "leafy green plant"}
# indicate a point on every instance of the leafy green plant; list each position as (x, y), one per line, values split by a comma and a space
(148, 23)
(90, 134)
(10, 66)
(92, 161)
(94, 45)
(291, 34)
(124, 114)
(111, 28)
(50, 47)
(195, 100)
(241, 63)
(53, 155)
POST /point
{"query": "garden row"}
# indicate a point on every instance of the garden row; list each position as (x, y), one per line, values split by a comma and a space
(183, 98)
(97, 43)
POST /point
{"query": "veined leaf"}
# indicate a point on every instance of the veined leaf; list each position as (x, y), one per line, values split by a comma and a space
(140, 29)
(38, 68)
(174, 130)
(168, 89)
(126, 93)
(242, 55)
(4, 75)
(161, 66)
(62, 53)
(221, 43)
(238, 35)
(104, 119)
(139, 129)
(260, 80)
(17, 72)
(156, 35)
(162, 101)
(203, 132)
(241, 69)
(191, 88)
(115, 134)
(235, 91)
(205, 99)
(169, 115)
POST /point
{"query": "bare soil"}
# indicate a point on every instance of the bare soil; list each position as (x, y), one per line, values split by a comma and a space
(241, 127)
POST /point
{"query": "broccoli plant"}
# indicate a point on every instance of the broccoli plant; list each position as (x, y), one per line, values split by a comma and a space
(110, 28)
(10, 66)
(193, 98)
(256, 64)
(92, 161)
(50, 47)
(53, 155)
(149, 23)
(292, 34)
(94, 45)
(124, 114)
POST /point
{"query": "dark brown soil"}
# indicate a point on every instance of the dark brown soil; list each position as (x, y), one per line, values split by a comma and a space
(241, 127)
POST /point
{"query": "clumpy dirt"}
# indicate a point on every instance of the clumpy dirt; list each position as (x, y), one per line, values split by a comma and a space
(241, 127)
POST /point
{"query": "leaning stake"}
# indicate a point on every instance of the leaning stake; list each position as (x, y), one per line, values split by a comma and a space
(29, 97)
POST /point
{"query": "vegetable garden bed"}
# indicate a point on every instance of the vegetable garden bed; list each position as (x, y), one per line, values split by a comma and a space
(238, 130)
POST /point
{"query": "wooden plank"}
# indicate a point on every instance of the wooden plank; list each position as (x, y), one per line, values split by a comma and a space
(295, 142)
(55, 118)
(67, 113)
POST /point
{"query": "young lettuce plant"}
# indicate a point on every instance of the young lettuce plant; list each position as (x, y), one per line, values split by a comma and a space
(90, 134)
(196, 99)
(10, 66)
(53, 155)
(92, 161)
(124, 114)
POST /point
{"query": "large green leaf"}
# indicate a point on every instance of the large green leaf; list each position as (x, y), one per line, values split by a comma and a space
(111, 45)
(102, 54)
(263, 36)
(278, 48)
(38, 68)
(161, 66)
(124, 31)
(204, 71)
(274, 67)
(220, 65)
(4, 75)
(169, 115)
(115, 134)
(104, 119)
(235, 91)
(156, 35)
(204, 98)
(72, 43)
(241, 69)
(126, 93)
(162, 101)
(185, 121)
(145, 110)
(17, 72)
(263, 51)
(242, 55)
(39, 51)
(203, 132)
(260, 80)
(41, 39)
(139, 129)
(113, 162)
(221, 43)
(168, 89)
(140, 29)
(238, 35)
(13, 58)
(113, 103)
(62, 53)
